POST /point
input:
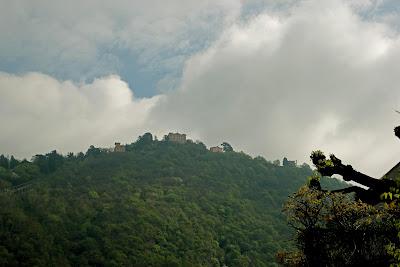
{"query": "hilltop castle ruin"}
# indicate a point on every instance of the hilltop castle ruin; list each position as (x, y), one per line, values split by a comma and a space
(176, 138)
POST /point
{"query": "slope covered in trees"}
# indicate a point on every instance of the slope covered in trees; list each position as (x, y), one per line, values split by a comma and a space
(158, 204)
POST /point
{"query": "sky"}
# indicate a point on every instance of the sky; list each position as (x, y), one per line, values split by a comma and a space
(272, 78)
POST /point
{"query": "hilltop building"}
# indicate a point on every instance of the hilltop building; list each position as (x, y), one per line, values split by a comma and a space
(176, 138)
(289, 163)
(216, 149)
(119, 148)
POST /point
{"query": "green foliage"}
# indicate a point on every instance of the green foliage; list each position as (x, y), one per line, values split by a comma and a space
(4, 162)
(226, 147)
(142, 143)
(50, 162)
(335, 229)
(393, 248)
(159, 204)
(13, 162)
(324, 165)
(25, 172)
(93, 151)
(332, 229)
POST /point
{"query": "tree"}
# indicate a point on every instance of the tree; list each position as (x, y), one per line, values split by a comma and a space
(13, 162)
(333, 165)
(26, 172)
(80, 156)
(4, 162)
(334, 228)
(93, 151)
(50, 162)
(42, 162)
(144, 140)
(55, 160)
(226, 147)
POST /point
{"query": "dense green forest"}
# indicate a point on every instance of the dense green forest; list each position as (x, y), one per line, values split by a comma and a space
(157, 204)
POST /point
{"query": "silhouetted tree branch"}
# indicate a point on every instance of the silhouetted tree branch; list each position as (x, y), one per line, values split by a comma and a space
(333, 165)
(397, 131)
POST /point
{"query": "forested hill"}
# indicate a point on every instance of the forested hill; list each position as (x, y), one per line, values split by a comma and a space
(157, 204)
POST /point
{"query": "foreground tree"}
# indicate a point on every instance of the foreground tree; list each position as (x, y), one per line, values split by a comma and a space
(346, 227)
(334, 230)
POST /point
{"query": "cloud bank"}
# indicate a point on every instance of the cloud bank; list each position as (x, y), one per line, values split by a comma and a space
(40, 113)
(318, 76)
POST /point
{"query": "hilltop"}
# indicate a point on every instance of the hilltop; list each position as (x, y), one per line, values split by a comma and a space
(159, 203)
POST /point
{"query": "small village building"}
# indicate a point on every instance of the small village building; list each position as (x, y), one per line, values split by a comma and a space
(216, 149)
(176, 138)
(119, 148)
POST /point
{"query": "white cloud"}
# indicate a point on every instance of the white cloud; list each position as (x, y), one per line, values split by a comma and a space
(39, 114)
(321, 77)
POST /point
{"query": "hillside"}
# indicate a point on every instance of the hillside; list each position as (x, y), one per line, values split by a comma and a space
(157, 204)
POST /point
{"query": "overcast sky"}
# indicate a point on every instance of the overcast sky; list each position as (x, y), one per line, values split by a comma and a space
(273, 78)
